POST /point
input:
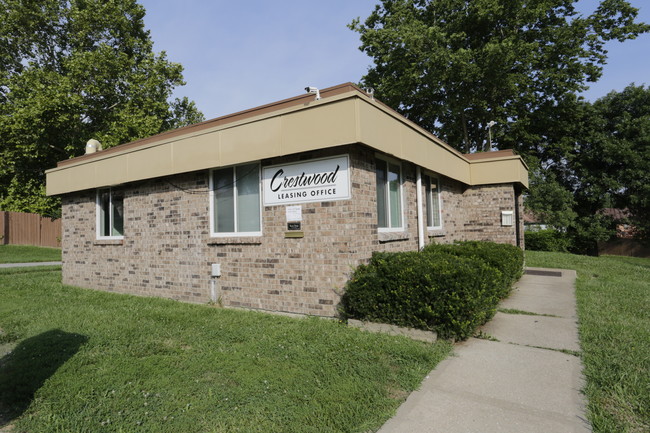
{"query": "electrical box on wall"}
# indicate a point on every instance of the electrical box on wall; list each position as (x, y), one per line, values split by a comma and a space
(506, 218)
(216, 269)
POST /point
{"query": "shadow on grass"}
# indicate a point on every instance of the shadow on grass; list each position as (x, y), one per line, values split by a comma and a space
(26, 368)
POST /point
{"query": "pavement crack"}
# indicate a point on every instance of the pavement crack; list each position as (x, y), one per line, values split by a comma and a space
(575, 353)
(527, 313)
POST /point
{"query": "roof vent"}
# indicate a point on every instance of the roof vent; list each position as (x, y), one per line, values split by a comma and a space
(93, 146)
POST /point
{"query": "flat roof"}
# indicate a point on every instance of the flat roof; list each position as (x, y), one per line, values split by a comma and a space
(345, 115)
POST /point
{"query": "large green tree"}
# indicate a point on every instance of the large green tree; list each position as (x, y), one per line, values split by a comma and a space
(612, 164)
(595, 156)
(453, 66)
(71, 70)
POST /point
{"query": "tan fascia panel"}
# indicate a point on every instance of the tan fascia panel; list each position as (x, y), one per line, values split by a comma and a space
(345, 115)
(387, 131)
(310, 126)
(489, 171)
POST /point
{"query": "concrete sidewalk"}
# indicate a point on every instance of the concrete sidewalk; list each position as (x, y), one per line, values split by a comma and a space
(521, 383)
(28, 265)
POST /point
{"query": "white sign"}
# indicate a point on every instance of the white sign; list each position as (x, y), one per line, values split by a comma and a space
(324, 179)
(294, 213)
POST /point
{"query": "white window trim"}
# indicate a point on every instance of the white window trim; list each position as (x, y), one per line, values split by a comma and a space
(402, 228)
(437, 178)
(212, 215)
(98, 212)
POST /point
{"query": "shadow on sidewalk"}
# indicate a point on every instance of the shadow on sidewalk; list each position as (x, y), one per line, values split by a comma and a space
(26, 368)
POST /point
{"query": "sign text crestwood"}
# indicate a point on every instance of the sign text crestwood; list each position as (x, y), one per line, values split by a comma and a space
(316, 180)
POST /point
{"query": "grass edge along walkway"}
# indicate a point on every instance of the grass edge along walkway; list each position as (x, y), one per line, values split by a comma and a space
(90, 361)
(613, 298)
(28, 254)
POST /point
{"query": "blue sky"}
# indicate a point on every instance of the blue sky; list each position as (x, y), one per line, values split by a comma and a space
(238, 55)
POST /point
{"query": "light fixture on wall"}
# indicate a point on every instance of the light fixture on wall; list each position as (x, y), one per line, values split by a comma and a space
(310, 89)
(490, 124)
(93, 146)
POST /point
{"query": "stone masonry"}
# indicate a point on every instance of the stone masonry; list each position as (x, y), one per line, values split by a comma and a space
(167, 250)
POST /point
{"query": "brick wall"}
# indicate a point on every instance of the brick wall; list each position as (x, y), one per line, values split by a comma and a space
(167, 249)
(474, 213)
(481, 213)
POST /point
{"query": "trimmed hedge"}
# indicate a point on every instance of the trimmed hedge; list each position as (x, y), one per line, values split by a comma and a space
(449, 290)
(509, 259)
(547, 240)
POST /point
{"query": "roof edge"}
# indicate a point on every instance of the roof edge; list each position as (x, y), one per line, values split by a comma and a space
(218, 121)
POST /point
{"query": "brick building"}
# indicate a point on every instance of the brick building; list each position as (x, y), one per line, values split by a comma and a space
(271, 208)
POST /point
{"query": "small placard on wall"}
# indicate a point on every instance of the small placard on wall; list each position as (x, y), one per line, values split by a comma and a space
(294, 213)
(293, 225)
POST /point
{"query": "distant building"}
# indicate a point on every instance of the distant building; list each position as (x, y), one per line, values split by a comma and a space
(532, 222)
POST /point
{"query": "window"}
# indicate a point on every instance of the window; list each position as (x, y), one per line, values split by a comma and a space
(236, 200)
(432, 192)
(110, 214)
(389, 195)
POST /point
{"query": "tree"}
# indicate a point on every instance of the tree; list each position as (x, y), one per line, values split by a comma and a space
(596, 157)
(551, 201)
(453, 66)
(616, 162)
(71, 70)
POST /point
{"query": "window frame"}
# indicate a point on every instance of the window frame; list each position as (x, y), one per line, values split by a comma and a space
(429, 199)
(388, 161)
(98, 215)
(235, 233)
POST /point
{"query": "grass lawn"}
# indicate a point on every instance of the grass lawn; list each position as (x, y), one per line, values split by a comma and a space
(89, 361)
(613, 295)
(27, 253)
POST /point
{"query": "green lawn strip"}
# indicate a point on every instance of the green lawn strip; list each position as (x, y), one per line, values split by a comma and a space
(613, 296)
(29, 270)
(89, 361)
(28, 254)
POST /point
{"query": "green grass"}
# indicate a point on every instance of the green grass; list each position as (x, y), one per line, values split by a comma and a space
(28, 254)
(89, 361)
(613, 295)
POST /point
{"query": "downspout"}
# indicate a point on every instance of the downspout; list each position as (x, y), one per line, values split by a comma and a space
(418, 196)
(517, 216)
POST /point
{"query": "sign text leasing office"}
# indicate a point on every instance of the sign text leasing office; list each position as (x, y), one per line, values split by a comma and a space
(323, 179)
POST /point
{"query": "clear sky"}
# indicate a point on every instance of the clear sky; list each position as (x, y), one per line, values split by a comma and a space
(242, 54)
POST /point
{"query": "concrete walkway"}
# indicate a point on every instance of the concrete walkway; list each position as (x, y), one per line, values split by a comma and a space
(521, 383)
(25, 265)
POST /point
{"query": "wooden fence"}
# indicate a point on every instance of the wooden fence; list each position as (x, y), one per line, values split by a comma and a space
(18, 228)
(624, 247)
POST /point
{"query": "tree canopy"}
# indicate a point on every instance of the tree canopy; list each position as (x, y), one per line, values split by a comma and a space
(453, 66)
(598, 157)
(71, 70)
(612, 164)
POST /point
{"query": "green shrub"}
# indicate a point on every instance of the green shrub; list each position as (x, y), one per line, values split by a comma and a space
(547, 240)
(508, 259)
(436, 290)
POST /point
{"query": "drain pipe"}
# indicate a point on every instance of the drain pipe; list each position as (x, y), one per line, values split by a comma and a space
(213, 290)
(418, 195)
